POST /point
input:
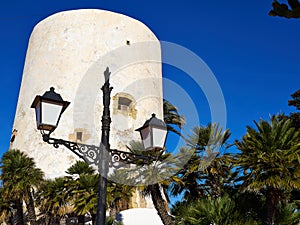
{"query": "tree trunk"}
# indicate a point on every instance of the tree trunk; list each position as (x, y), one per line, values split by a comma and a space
(30, 209)
(48, 218)
(113, 210)
(9, 220)
(160, 204)
(19, 213)
(93, 218)
(81, 219)
(272, 201)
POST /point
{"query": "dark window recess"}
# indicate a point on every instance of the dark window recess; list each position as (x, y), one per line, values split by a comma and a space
(128, 42)
(12, 139)
(124, 103)
(79, 136)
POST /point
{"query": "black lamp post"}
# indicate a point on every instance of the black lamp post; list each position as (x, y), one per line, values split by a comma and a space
(49, 109)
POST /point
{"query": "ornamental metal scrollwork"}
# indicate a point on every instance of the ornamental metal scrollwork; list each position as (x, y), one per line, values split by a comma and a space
(91, 153)
(129, 157)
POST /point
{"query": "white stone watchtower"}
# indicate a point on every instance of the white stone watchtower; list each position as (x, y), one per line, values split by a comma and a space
(70, 51)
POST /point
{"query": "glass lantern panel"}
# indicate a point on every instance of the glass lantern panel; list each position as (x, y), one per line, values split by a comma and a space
(50, 113)
(159, 137)
(38, 114)
(146, 137)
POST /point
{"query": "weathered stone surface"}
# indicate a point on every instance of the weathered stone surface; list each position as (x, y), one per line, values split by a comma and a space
(70, 51)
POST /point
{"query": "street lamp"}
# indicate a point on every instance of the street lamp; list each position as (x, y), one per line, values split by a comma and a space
(49, 109)
(153, 133)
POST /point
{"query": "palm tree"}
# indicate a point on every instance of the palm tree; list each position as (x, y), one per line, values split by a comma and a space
(20, 177)
(118, 196)
(85, 191)
(205, 138)
(219, 177)
(206, 170)
(80, 167)
(6, 210)
(269, 158)
(172, 117)
(155, 175)
(295, 101)
(190, 176)
(54, 200)
(82, 188)
(222, 210)
(288, 214)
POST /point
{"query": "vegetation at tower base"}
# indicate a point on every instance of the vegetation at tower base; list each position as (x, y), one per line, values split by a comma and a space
(76, 195)
(256, 183)
(270, 157)
(156, 177)
(20, 177)
(223, 210)
(254, 186)
(53, 201)
(82, 185)
(6, 209)
(158, 174)
(290, 10)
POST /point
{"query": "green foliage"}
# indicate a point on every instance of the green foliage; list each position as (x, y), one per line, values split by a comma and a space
(19, 177)
(269, 154)
(76, 193)
(288, 214)
(220, 211)
(208, 138)
(270, 160)
(172, 117)
(85, 193)
(160, 169)
(258, 185)
(290, 10)
(6, 209)
(154, 174)
(19, 174)
(111, 221)
(82, 188)
(206, 170)
(80, 167)
(295, 101)
(53, 200)
(295, 117)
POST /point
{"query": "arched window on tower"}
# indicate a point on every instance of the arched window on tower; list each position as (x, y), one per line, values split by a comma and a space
(124, 103)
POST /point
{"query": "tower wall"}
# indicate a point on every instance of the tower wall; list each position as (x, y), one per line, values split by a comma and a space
(70, 51)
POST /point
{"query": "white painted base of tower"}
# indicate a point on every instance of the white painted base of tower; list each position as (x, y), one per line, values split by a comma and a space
(139, 216)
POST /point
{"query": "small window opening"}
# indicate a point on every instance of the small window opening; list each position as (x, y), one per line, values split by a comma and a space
(124, 104)
(128, 42)
(12, 139)
(79, 136)
(13, 136)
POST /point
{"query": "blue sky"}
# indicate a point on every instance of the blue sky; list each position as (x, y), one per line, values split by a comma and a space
(254, 57)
